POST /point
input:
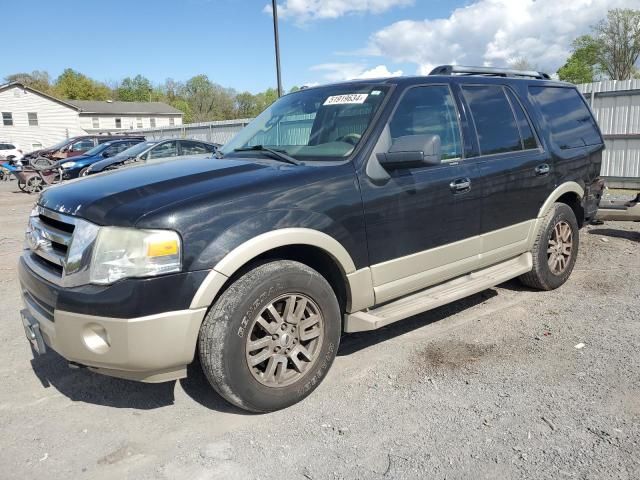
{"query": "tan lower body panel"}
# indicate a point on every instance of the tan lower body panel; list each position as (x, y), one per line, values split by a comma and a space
(155, 348)
(415, 272)
(439, 295)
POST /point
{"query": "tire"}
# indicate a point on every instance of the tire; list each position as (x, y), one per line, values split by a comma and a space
(241, 314)
(22, 186)
(83, 172)
(549, 271)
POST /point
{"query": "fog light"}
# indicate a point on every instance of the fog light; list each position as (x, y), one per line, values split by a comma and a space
(96, 338)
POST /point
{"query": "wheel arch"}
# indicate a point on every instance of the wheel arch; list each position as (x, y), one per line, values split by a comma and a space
(565, 193)
(313, 248)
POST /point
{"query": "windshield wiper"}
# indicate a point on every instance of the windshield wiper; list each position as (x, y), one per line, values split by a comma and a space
(277, 154)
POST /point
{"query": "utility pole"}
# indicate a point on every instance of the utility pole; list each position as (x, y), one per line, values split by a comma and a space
(277, 42)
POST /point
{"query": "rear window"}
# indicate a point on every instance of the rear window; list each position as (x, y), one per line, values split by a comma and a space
(567, 115)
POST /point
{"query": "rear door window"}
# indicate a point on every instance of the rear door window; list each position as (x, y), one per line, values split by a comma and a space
(493, 117)
(567, 115)
(193, 148)
(164, 150)
(526, 132)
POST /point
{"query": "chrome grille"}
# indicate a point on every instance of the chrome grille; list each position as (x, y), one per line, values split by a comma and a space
(49, 240)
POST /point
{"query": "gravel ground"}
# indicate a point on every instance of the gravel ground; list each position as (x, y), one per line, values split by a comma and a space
(493, 386)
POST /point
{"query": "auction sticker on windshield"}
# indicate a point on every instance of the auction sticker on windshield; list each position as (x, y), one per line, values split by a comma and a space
(346, 99)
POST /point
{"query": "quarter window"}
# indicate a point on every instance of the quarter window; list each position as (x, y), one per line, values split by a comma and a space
(492, 115)
(33, 119)
(429, 110)
(567, 115)
(7, 119)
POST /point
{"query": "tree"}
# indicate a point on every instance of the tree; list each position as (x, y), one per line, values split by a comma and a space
(74, 85)
(38, 79)
(136, 89)
(583, 64)
(618, 37)
(208, 100)
(522, 64)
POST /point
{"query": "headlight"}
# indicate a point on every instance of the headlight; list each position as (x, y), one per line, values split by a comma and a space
(68, 164)
(127, 252)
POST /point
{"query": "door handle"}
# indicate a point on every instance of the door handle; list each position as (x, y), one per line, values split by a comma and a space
(542, 169)
(460, 185)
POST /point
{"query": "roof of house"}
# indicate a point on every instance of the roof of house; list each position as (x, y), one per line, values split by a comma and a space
(105, 106)
(115, 108)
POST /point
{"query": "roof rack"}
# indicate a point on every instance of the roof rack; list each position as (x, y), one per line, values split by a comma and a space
(489, 71)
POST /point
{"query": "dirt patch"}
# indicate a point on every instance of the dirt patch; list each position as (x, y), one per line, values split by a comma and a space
(449, 355)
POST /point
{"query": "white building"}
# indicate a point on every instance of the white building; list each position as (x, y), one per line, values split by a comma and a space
(33, 119)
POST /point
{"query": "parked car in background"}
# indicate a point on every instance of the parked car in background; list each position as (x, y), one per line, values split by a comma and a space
(77, 166)
(153, 151)
(75, 146)
(10, 151)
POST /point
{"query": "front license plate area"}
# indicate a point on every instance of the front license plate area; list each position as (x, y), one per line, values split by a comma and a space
(32, 332)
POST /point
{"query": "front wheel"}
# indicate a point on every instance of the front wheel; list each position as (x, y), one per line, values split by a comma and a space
(555, 249)
(270, 338)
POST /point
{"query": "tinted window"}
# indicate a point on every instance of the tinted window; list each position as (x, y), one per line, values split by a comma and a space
(567, 115)
(526, 132)
(495, 124)
(429, 110)
(168, 149)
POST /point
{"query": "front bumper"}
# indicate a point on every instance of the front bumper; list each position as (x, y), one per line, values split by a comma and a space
(152, 348)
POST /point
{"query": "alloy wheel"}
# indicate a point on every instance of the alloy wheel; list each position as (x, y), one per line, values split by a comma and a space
(284, 340)
(560, 247)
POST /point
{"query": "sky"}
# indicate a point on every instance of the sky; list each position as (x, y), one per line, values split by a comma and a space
(321, 41)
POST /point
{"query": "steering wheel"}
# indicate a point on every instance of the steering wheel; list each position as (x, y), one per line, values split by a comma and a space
(352, 138)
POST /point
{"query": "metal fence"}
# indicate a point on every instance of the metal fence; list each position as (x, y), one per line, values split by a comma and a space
(216, 132)
(616, 105)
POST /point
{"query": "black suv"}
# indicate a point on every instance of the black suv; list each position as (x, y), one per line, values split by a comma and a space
(340, 208)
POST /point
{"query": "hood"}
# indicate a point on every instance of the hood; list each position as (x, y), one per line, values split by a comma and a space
(122, 197)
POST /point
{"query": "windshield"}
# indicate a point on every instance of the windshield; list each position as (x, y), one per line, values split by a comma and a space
(324, 123)
(97, 150)
(133, 151)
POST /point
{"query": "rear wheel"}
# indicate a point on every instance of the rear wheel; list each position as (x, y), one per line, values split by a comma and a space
(22, 185)
(270, 338)
(555, 249)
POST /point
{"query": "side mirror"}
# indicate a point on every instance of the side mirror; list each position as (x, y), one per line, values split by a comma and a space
(412, 151)
(106, 154)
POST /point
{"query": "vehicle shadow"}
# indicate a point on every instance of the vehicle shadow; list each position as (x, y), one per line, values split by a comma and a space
(83, 385)
(355, 342)
(634, 236)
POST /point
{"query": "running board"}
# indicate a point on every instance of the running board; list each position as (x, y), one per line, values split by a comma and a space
(439, 295)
